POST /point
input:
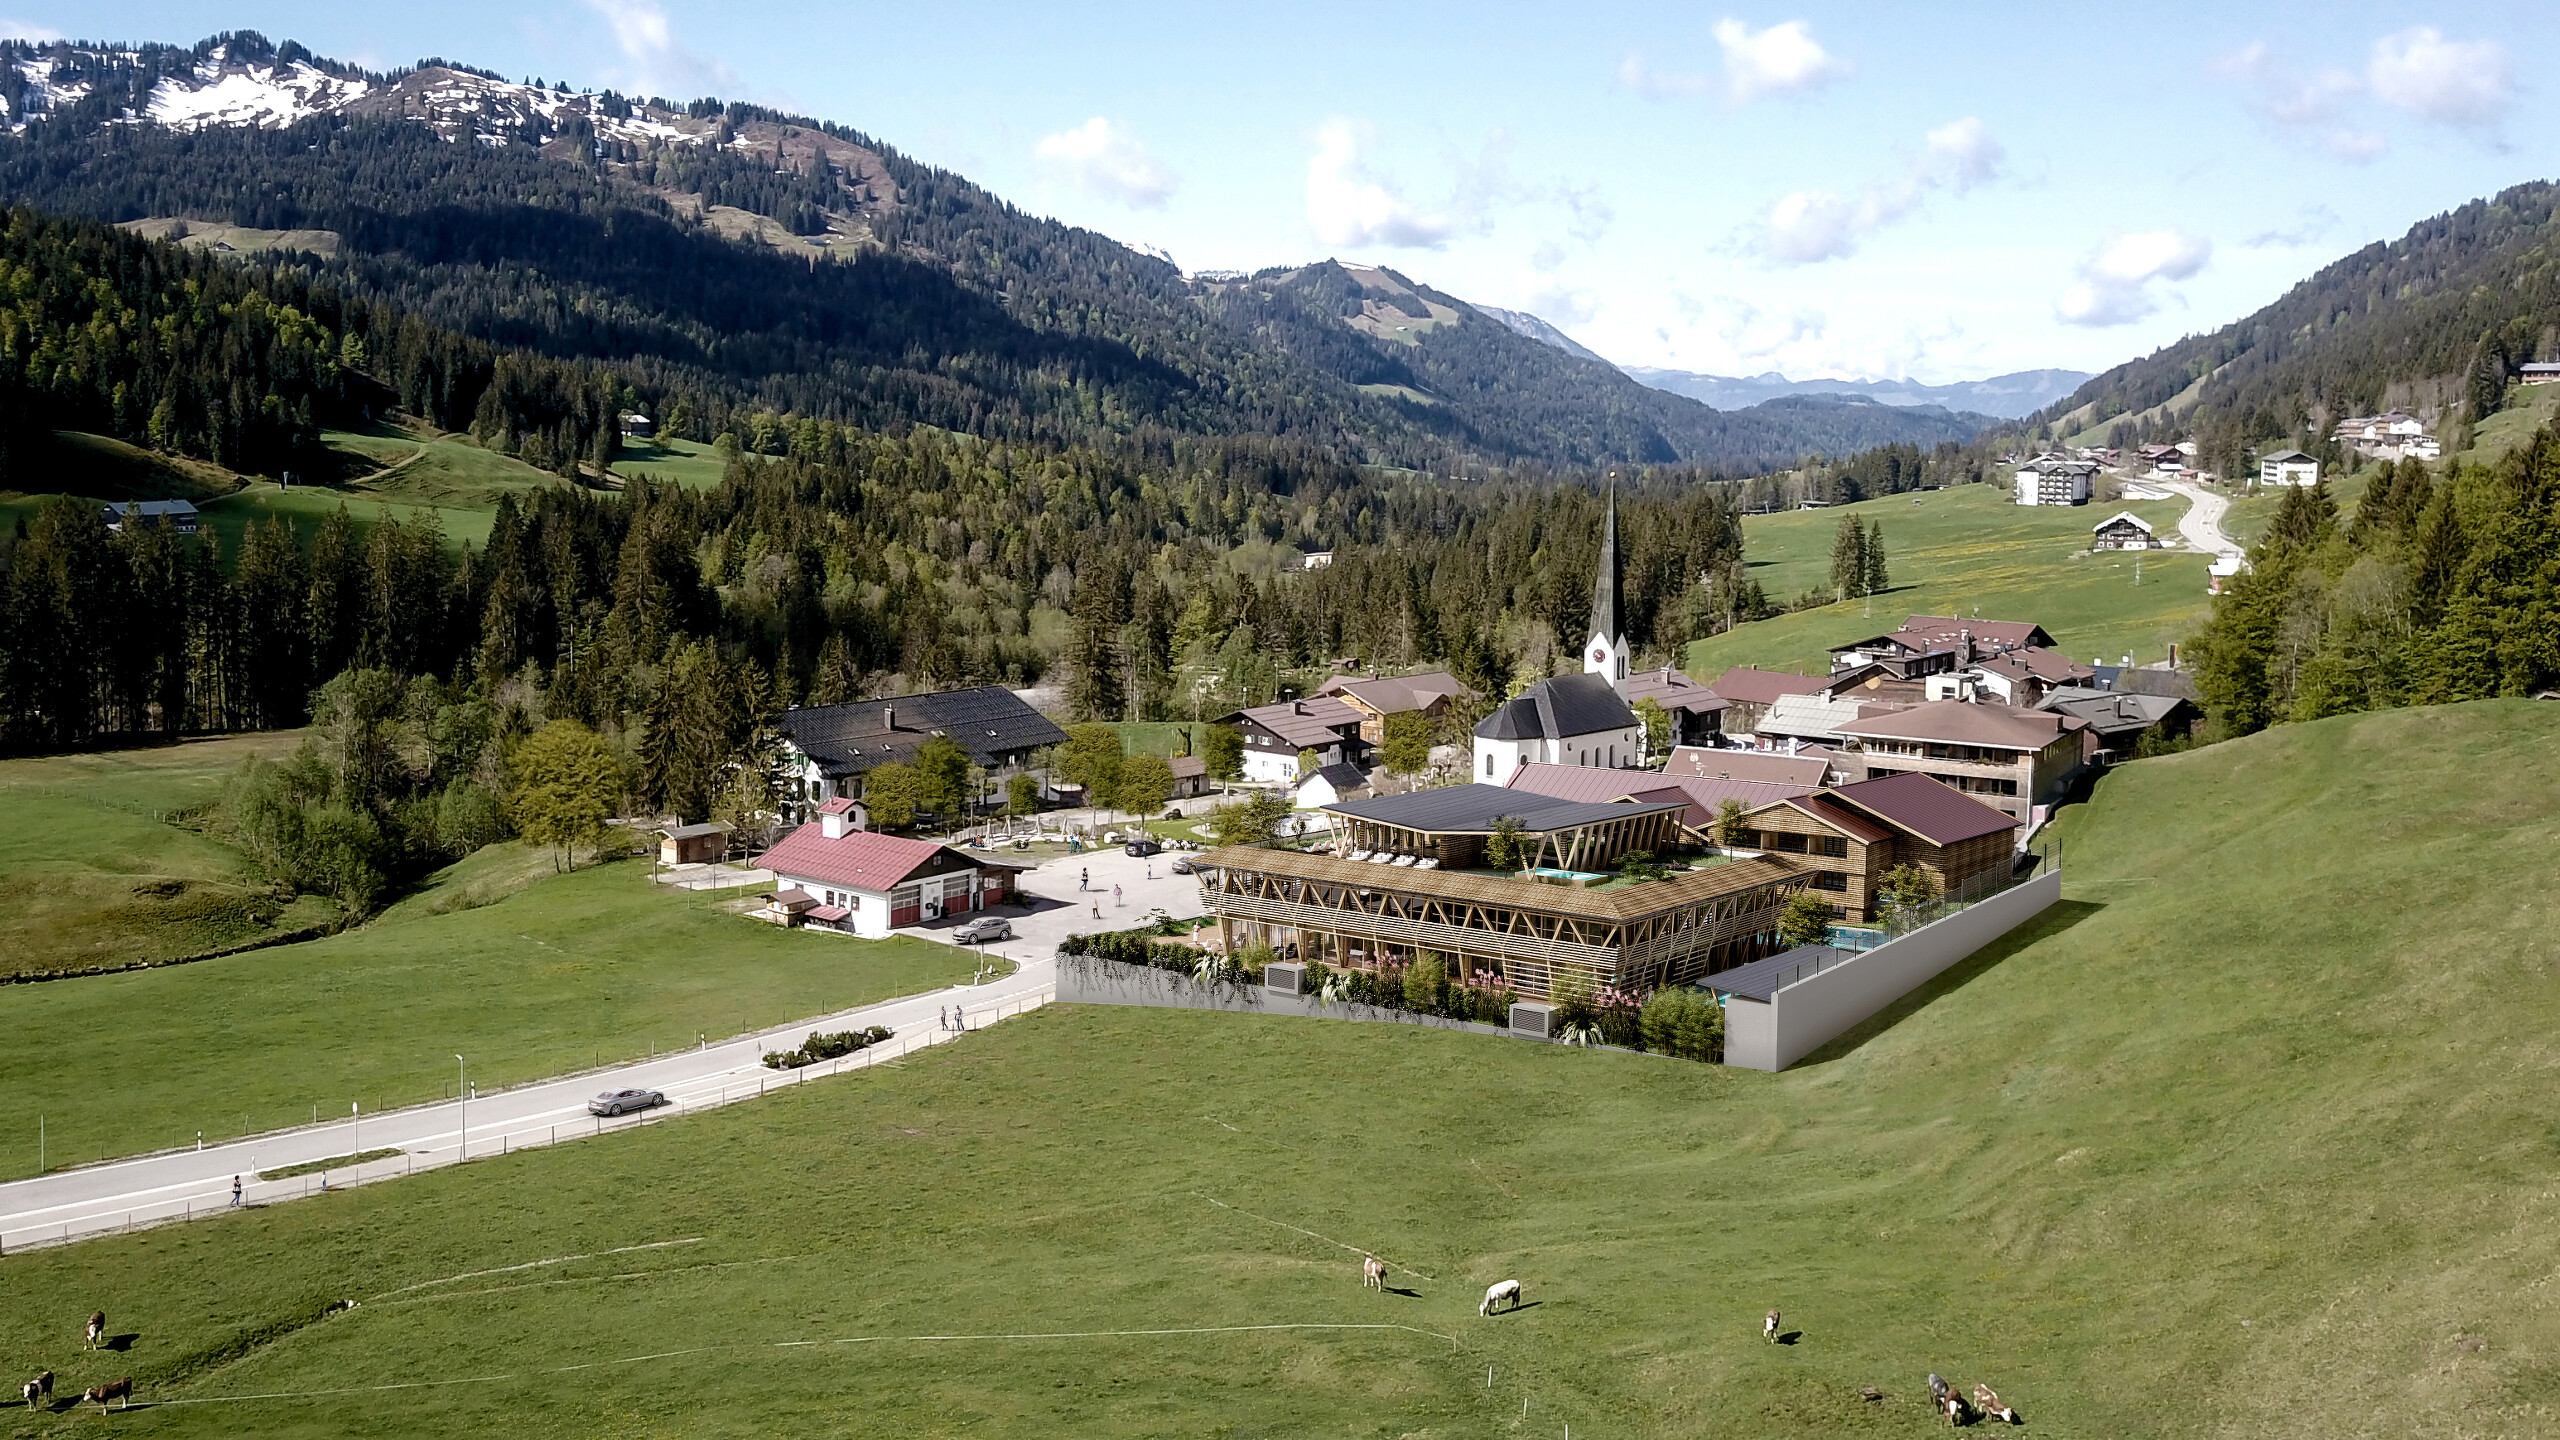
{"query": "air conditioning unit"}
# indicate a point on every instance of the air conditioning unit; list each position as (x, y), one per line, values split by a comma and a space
(1533, 1021)
(1285, 977)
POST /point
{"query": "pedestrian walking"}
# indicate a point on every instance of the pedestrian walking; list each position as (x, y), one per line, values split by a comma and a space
(1115, 895)
(959, 1021)
(1097, 909)
(1084, 879)
(942, 1019)
(235, 1190)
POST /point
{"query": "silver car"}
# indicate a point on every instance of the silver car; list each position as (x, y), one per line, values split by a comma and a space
(984, 929)
(615, 1102)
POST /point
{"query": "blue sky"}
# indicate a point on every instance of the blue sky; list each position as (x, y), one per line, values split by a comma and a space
(1881, 190)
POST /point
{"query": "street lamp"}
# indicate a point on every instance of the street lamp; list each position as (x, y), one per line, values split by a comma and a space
(462, 1098)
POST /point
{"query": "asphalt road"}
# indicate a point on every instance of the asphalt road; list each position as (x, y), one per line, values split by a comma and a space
(2202, 524)
(175, 1185)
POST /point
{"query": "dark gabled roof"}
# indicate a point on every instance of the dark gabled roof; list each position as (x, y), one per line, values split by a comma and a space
(2114, 713)
(1308, 724)
(1555, 708)
(1340, 777)
(1672, 690)
(988, 721)
(1762, 687)
(1472, 809)
(1925, 806)
(1187, 767)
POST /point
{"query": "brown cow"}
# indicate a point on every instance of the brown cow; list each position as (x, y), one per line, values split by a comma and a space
(1987, 1400)
(1373, 1273)
(97, 1328)
(112, 1390)
(1769, 1327)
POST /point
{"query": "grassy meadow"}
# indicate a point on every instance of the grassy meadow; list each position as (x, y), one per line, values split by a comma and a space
(530, 974)
(97, 876)
(1968, 550)
(667, 458)
(2250, 1136)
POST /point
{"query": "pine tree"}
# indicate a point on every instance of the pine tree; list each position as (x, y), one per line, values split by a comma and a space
(1875, 579)
(1848, 559)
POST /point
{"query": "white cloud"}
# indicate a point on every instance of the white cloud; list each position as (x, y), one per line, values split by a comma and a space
(1776, 61)
(35, 34)
(1810, 226)
(1109, 161)
(2312, 108)
(1564, 306)
(1348, 206)
(1965, 152)
(657, 60)
(2115, 284)
(1636, 75)
(1752, 333)
(2466, 84)
(2310, 223)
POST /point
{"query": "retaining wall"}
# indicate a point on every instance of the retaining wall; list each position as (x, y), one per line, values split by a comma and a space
(1804, 1016)
(1083, 980)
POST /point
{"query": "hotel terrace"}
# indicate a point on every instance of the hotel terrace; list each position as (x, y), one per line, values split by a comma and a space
(1405, 876)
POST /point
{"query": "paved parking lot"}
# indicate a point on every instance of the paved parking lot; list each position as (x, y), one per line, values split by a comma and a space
(1055, 908)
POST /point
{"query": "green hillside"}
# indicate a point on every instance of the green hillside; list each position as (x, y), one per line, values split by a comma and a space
(2249, 1137)
(1967, 551)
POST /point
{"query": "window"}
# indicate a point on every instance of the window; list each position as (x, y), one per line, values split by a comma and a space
(905, 897)
(1781, 840)
(1488, 762)
(1830, 880)
(1832, 845)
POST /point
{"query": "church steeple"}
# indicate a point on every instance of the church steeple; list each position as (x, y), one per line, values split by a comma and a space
(1606, 653)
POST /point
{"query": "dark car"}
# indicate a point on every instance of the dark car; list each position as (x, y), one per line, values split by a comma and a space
(1143, 846)
(615, 1102)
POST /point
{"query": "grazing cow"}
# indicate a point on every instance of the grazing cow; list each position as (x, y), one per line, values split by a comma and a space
(1937, 1387)
(1505, 1293)
(1870, 1394)
(1987, 1400)
(38, 1390)
(1373, 1273)
(97, 1328)
(112, 1390)
(1954, 1404)
(1769, 1327)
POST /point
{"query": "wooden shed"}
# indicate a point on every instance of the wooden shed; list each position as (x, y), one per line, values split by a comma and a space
(693, 844)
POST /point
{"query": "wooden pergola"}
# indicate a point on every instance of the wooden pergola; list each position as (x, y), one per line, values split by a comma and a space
(1640, 937)
(1590, 844)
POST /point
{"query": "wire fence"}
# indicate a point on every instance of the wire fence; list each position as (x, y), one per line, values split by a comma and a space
(113, 1216)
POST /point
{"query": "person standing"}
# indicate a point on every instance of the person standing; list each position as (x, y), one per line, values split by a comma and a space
(959, 1021)
(235, 1191)
(1084, 879)
(942, 1019)
(1115, 895)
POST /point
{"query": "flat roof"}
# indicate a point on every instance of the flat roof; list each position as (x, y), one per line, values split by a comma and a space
(1618, 902)
(1472, 809)
(1763, 978)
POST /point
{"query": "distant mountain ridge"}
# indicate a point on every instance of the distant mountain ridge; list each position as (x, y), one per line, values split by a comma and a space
(2005, 397)
(765, 261)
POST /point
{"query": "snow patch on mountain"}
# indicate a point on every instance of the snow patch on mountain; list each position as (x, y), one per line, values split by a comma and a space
(267, 100)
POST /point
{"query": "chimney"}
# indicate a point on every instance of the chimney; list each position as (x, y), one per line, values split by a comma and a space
(1965, 639)
(888, 717)
(831, 824)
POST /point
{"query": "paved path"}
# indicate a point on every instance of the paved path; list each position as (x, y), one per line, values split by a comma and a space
(152, 1189)
(2202, 524)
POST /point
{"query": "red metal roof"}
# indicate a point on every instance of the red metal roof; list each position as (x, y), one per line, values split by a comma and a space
(1926, 806)
(837, 806)
(1760, 687)
(857, 860)
(1804, 767)
(1842, 818)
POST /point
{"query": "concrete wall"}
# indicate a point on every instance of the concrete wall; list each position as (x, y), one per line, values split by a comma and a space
(1083, 980)
(1808, 1014)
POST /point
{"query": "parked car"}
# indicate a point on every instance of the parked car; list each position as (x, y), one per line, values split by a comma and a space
(615, 1102)
(984, 929)
(1182, 866)
(1144, 845)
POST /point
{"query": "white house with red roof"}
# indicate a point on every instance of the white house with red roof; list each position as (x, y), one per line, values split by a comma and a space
(865, 883)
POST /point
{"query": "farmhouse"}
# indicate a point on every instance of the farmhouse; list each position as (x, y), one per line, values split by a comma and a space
(178, 515)
(1190, 776)
(1430, 693)
(866, 883)
(1850, 837)
(2392, 435)
(2540, 372)
(1749, 693)
(2121, 718)
(1401, 882)
(2288, 467)
(2123, 530)
(2008, 758)
(1332, 784)
(1275, 734)
(1696, 712)
(827, 749)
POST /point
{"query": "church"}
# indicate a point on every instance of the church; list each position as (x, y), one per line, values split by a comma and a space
(1573, 719)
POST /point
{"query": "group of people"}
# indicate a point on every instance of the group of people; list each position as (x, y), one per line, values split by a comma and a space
(1084, 881)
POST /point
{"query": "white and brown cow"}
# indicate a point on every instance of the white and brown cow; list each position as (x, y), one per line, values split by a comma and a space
(1769, 1327)
(97, 1328)
(112, 1390)
(1987, 1400)
(38, 1390)
(1373, 1273)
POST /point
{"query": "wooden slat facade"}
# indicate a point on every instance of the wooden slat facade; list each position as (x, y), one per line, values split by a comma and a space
(1352, 914)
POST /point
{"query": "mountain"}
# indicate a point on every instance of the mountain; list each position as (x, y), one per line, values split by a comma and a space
(2004, 397)
(729, 260)
(1524, 323)
(2436, 322)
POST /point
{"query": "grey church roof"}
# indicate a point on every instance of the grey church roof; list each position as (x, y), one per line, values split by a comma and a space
(1556, 708)
(1606, 586)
